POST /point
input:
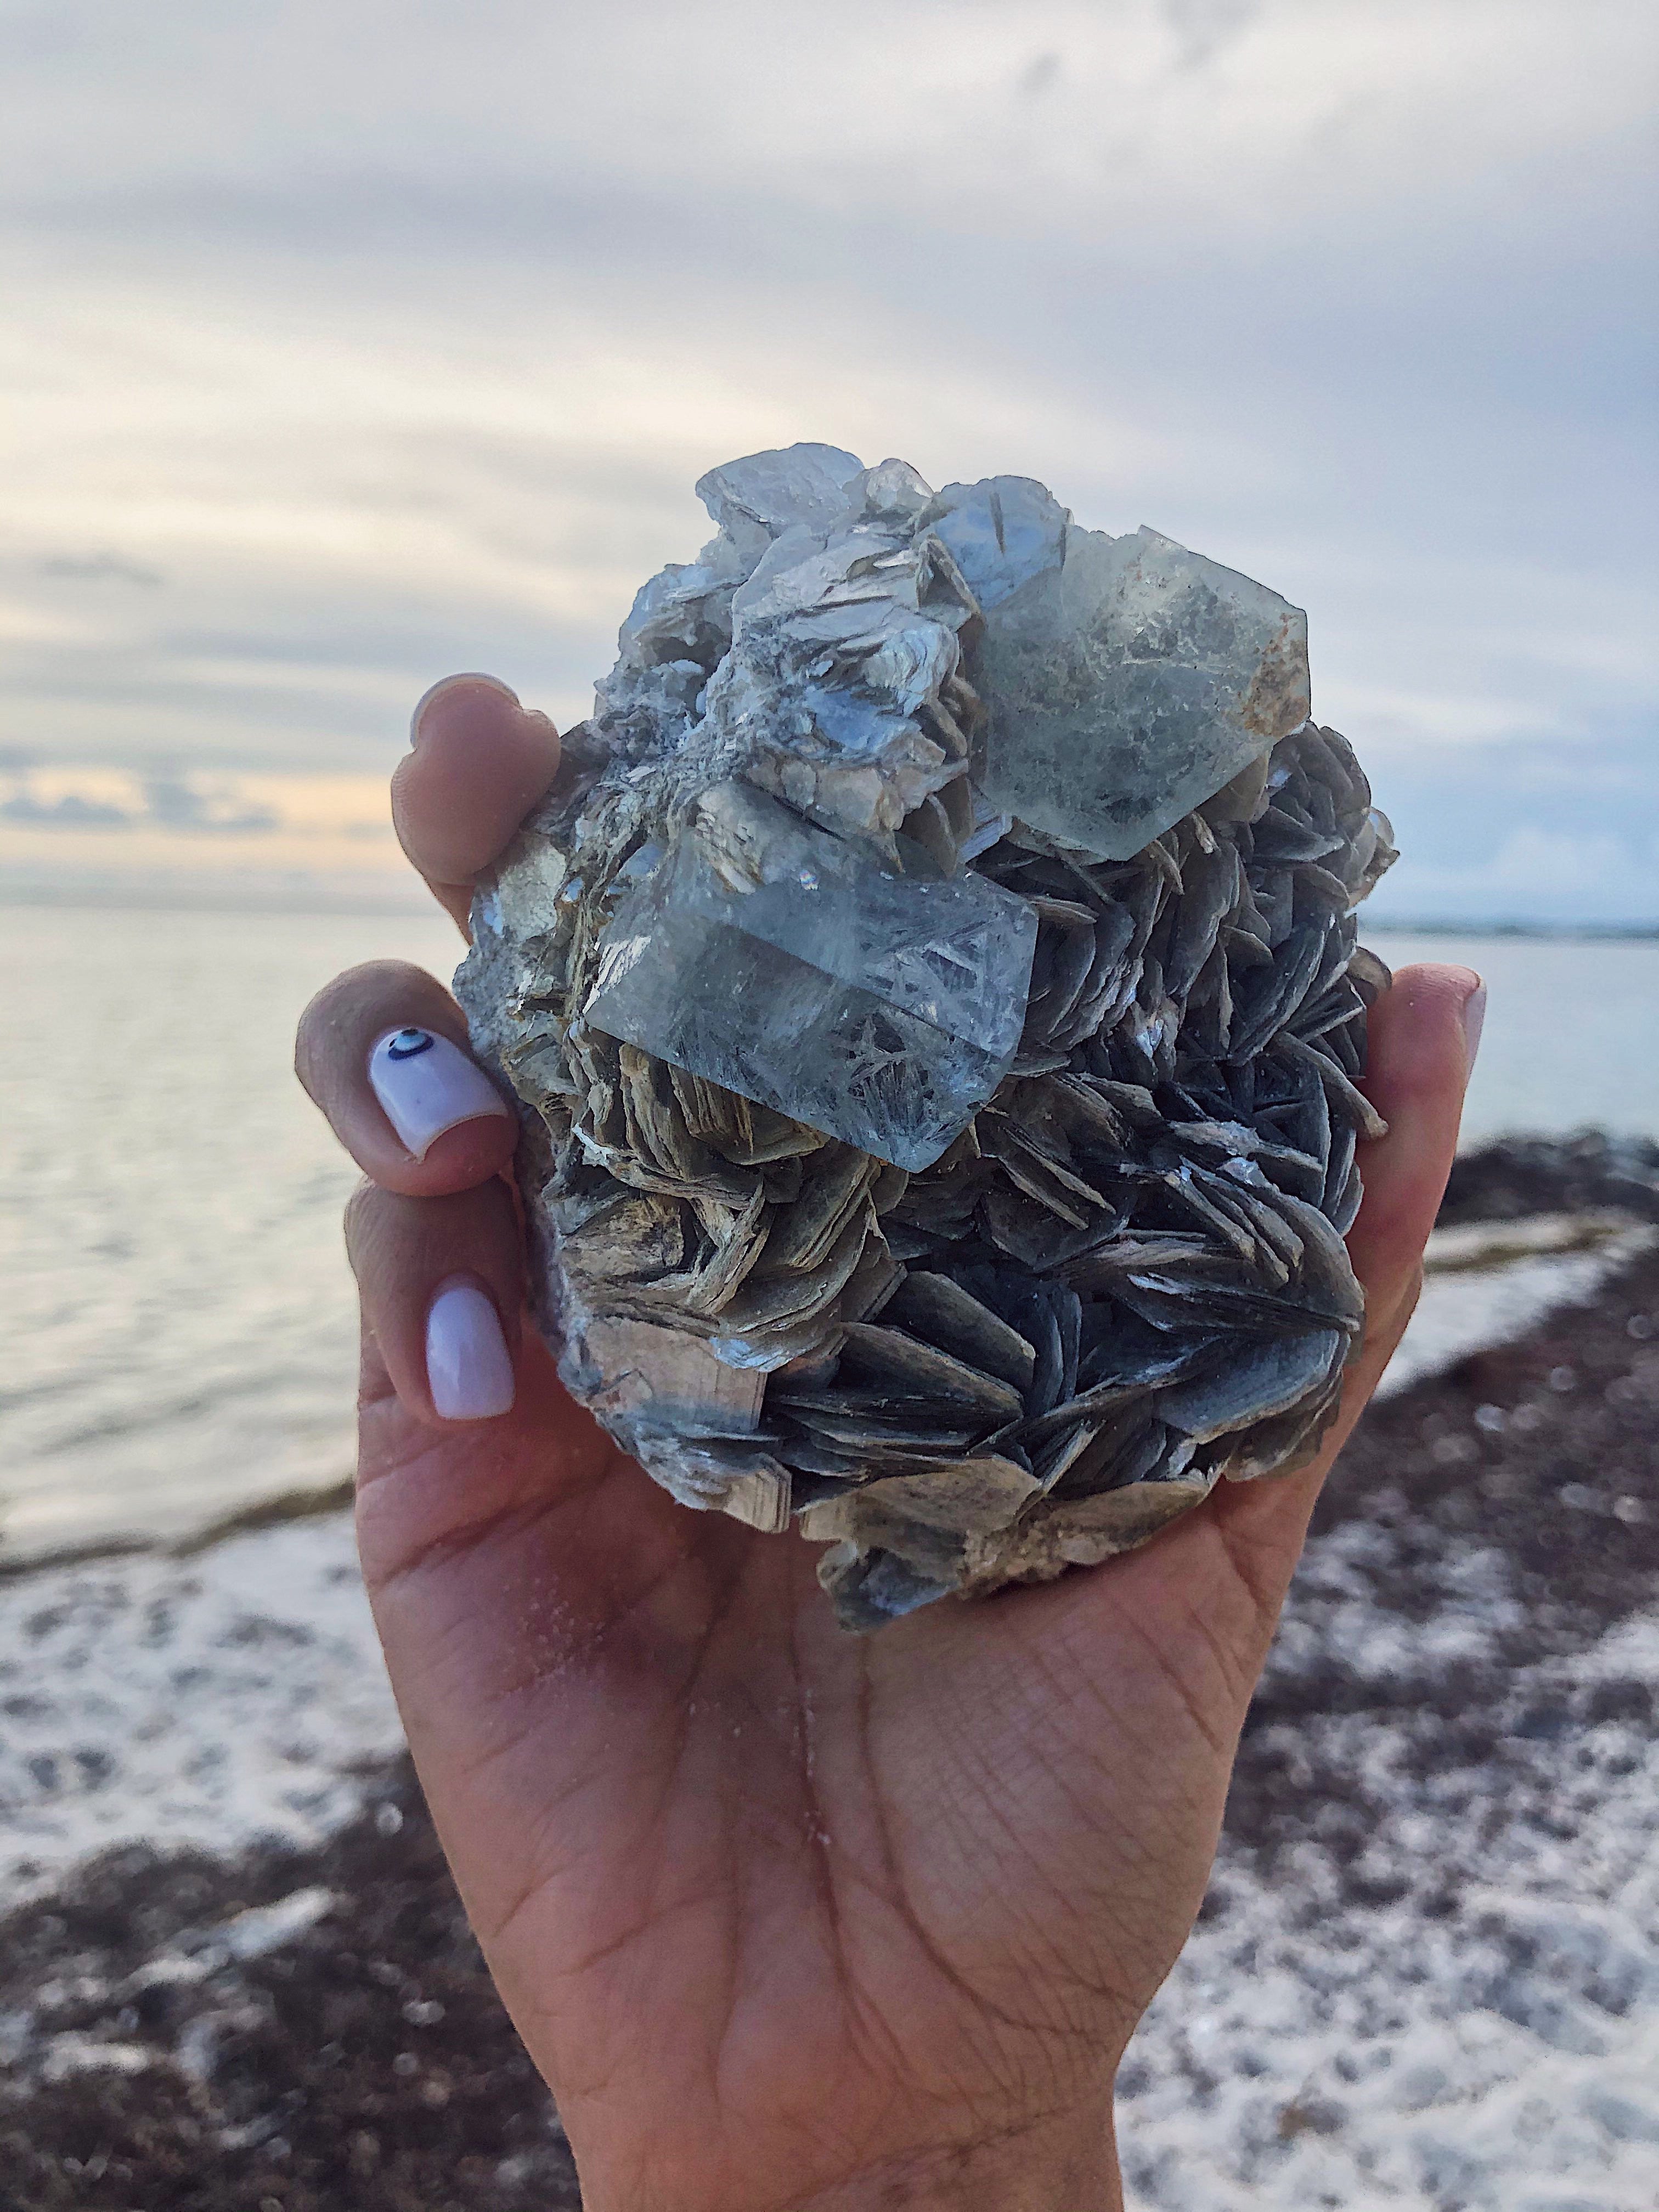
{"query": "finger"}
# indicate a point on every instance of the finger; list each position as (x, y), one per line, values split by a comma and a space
(382, 1050)
(471, 1451)
(439, 1280)
(1422, 1034)
(479, 762)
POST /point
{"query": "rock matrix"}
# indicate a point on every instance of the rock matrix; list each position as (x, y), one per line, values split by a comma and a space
(932, 994)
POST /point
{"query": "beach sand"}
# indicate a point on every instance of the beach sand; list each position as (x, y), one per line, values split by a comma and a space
(1426, 1974)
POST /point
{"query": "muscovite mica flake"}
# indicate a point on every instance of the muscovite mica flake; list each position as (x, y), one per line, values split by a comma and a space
(932, 995)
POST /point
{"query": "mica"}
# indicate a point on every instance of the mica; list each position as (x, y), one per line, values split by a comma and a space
(933, 996)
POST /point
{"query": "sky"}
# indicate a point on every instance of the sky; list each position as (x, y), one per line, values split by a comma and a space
(343, 348)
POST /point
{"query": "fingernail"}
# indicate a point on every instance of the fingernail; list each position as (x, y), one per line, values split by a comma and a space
(1474, 1020)
(443, 684)
(428, 1085)
(469, 1369)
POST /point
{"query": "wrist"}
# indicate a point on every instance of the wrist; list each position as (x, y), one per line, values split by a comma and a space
(1066, 2165)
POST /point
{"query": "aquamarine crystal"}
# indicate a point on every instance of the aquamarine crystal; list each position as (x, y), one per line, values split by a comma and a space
(795, 487)
(1126, 682)
(818, 650)
(930, 989)
(789, 966)
(1001, 532)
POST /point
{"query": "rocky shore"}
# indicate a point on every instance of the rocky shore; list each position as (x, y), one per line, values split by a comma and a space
(1427, 1975)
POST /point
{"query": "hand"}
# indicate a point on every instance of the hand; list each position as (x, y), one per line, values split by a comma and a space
(788, 1918)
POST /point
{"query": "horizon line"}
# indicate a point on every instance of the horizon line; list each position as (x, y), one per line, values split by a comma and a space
(339, 898)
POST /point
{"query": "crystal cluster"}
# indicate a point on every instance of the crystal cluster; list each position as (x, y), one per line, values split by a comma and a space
(932, 993)
(790, 966)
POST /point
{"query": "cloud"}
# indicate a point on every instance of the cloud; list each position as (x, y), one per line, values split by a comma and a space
(108, 834)
(392, 338)
(839, 108)
(68, 812)
(1205, 28)
(176, 805)
(1534, 832)
(100, 569)
(1040, 75)
(94, 798)
(1537, 876)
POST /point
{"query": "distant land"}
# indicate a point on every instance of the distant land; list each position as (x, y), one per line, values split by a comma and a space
(1557, 932)
(384, 890)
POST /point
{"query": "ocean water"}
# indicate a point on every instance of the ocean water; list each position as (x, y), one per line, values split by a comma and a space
(182, 1335)
(1572, 1037)
(182, 1332)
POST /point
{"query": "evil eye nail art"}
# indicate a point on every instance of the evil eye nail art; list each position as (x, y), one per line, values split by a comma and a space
(426, 1084)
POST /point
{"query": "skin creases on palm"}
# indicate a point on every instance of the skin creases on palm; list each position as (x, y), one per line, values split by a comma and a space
(788, 1917)
(765, 1899)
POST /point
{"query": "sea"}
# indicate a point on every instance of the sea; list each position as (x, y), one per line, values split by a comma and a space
(181, 1343)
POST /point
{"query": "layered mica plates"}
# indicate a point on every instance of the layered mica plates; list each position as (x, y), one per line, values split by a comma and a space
(932, 994)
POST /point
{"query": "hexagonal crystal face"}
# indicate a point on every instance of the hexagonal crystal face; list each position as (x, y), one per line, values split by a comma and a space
(1127, 682)
(788, 965)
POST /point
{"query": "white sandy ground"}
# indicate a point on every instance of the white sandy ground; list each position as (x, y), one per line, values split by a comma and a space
(1487, 1282)
(1306, 2052)
(210, 1701)
(230, 1694)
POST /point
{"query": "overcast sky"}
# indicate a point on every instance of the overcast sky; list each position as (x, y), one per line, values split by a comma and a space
(342, 347)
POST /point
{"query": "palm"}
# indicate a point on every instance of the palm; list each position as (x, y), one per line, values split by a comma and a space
(786, 1917)
(750, 1881)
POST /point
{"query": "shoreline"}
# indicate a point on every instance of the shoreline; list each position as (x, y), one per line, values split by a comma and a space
(285, 891)
(1603, 1187)
(1426, 1972)
(309, 1502)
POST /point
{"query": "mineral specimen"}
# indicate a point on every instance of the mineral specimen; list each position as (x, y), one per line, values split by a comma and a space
(790, 966)
(1127, 684)
(932, 993)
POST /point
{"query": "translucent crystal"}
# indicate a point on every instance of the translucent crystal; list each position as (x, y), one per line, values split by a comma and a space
(680, 625)
(791, 487)
(785, 964)
(925, 828)
(1000, 532)
(1127, 684)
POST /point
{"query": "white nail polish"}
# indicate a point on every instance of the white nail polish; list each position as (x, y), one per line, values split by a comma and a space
(469, 1369)
(428, 1085)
